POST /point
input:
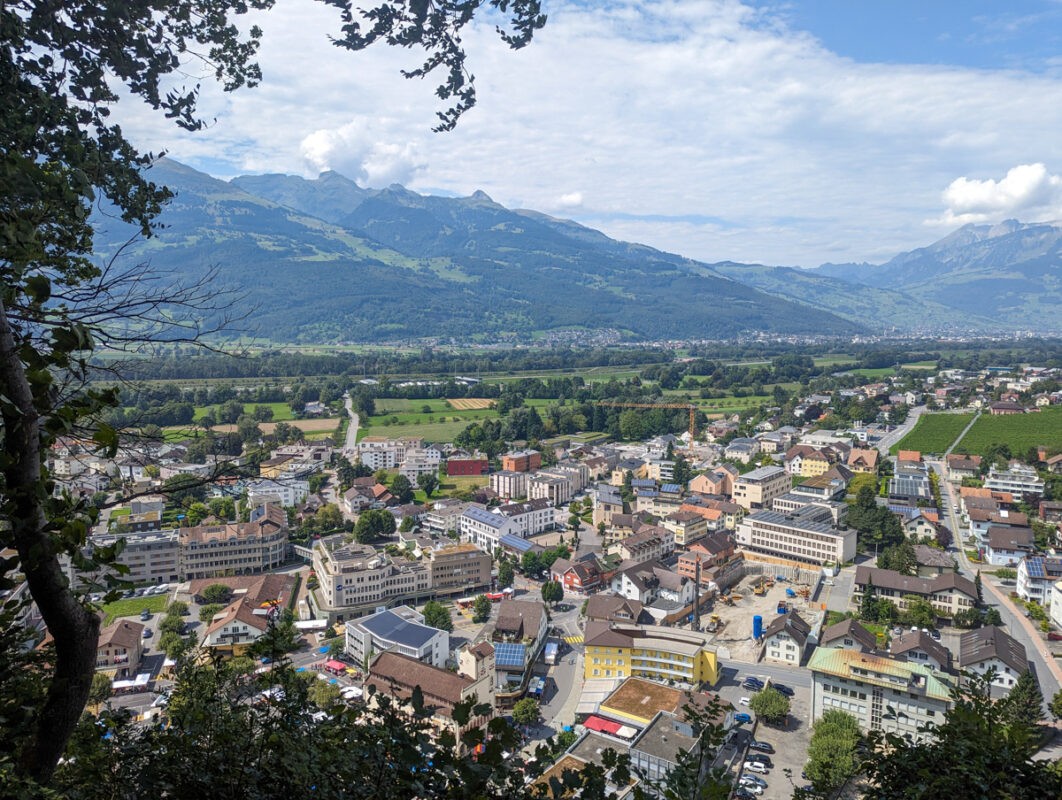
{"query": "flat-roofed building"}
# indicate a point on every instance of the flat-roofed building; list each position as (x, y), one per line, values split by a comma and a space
(509, 484)
(531, 518)
(354, 578)
(521, 461)
(1018, 479)
(650, 651)
(484, 528)
(807, 535)
(882, 693)
(757, 489)
(235, 548)
(460, 568)
(399, 630)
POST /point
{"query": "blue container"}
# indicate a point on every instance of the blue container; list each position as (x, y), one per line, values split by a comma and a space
(757, 627)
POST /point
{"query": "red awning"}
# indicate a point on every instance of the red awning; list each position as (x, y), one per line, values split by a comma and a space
(335, 665)
(602, 725)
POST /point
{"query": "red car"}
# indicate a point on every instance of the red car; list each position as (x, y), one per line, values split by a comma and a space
(1054, 636)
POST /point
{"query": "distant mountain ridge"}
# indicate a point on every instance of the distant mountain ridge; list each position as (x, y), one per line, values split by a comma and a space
(327, 260)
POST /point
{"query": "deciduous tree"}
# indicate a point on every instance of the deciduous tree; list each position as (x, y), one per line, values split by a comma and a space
(438, 616)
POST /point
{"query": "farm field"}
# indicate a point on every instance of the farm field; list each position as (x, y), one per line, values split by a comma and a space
(323, 424)
(431, 431)
(1019, 432)
(281, 411)
(469, 403)
(933, 433)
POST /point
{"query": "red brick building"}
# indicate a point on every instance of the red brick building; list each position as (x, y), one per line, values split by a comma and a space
(522, 461)
(467, 466)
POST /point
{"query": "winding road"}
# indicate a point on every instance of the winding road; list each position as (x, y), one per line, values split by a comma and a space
(350, 445)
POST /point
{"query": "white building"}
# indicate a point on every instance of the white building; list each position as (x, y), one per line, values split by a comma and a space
(558, 491)
(287, 492)
(1055, 612)
(1036, 577)
(530, 518)
(400, 630)
(484, 528)
(784, 639)
(757, 489)
(806, 535)
(1018, 479)
(992, 648)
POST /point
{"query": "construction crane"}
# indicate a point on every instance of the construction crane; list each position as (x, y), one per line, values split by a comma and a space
(685, 406)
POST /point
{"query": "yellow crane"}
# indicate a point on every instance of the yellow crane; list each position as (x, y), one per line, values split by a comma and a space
(684, 406)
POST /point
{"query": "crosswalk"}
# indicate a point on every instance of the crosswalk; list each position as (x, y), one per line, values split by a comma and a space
(573, 639)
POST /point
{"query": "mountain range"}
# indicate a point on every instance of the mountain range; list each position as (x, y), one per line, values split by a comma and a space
(326, 260)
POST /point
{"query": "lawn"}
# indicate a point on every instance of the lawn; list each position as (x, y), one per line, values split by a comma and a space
(1019, 431)
(281, 411)
(132, 606)
(933, 433)
(430, 431)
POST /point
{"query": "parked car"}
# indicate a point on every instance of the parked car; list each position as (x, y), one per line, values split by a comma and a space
(759, 758)
(742, 793)
(1054, 636)
(754, 779)
(753, 681)
(147, 633)
(752, 788)
(743, 701)
(763, 747)
(935, 635)
(755, 766)
(781, 687)
(145, 615)
(742, 719)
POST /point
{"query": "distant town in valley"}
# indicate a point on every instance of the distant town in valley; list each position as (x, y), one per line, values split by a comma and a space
(585, 541)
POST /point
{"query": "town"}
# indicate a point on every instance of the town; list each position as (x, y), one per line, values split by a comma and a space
(771, 570)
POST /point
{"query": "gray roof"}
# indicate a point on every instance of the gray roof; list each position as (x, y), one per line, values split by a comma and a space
(849, 629)
(665, 737)
(485, 517)
(791, 623)
(992, 642)
(908, 584)
(391, 627)
(917, 640)
(762, 474)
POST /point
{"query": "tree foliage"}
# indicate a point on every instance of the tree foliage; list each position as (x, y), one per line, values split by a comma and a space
(552, 592)
(1025, 701)
(505, 574)
(526, 712)
(374, 524)
(217, 593)
(481, 609)
(438, 616)
(770, 705)
(832, 758)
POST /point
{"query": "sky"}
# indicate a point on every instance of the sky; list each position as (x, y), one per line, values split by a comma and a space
(787, 133)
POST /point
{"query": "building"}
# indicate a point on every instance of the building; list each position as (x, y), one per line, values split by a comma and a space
(949, 593)
(467, 465)
(688, 527)
(1018, 479)
(650, 543)
(652, 583)
(557, 490)
(235, 548)
(785, 638)
(484, 528)
(911, 480)
(120, 649)
(1055, 610)
(612, 650)
(442, 517)
(757, 489)
(919, 647)
(963, 466)
(849, 635)
(807, 536)
(398, 676)
(992, 649)
(235, 628)
(354, 578)
(667, 741)
(530, 518)
(863, 460)
(151, 557)
(608, 502)
(522, 461)
(1006, 546)
(286, 493)
(881, 692)
(458, 569)
(398, 630)
(612, 608)
(582, 576)
(508, 484)
(1036, 576)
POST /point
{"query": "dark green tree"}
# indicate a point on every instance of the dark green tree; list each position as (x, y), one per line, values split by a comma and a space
(402, 489)
(1025, 702)
(980, 589)
(505, 574)
(526, 711)
(832, 760)
(429, 482)
(770, 705)
(552, 592)
(868, 603)
(481, 609)
(217, 593)
(1056, 705)
(374, 524)
(438, 616)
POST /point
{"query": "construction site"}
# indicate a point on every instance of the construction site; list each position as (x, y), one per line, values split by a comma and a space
(730, 618)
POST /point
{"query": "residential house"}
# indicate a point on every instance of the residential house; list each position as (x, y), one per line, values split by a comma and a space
(581, 576)
(962, 466)
(120, 649)
(919, 647)
(1036, 576)
(849, 635)
(992, 649)
(932, 561)
(1006, 546)
(784, 639)
(613, 608)
(236, 627)
(608, 502)
(949, 593)
(688, 527)
(863, 460)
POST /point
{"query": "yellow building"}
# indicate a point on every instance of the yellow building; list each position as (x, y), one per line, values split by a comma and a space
(814, 464)
(648, 651)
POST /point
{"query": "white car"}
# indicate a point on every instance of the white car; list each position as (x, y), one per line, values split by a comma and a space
(743, 701)
(755, 766)
(752, 788)
(752, 780)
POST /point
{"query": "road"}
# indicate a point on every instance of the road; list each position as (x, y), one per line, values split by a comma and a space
(350, 445)
(891, 438)
(1017, 624)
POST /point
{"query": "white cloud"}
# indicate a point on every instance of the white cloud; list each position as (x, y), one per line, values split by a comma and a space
(1027, 191)
(570, 200)
(701, 126)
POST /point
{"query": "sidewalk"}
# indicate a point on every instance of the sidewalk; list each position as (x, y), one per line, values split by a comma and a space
(1034, 635)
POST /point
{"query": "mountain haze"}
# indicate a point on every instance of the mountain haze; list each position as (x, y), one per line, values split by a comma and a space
(325, 260)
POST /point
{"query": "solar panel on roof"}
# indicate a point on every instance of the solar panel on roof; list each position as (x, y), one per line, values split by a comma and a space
(1035, 566)
(510, 654)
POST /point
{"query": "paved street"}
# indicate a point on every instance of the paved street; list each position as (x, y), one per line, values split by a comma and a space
(350, 445)
(889, 439)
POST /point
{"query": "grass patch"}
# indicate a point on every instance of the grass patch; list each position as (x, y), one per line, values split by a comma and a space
(933, 433)
(132, 606)
(1018, 431)
(281, 411)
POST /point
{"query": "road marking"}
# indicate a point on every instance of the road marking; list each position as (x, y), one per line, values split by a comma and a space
(573, 639)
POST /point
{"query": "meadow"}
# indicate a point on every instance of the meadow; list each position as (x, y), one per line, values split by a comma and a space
(933, 433)
(1018, 431)
(132, 606)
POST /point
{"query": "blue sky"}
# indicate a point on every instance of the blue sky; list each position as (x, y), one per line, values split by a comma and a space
(767, 132)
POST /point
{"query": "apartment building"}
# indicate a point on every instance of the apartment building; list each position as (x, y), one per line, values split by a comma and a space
(151, 557)
(443, 516)
(881, 692)
(557, 490)
(530, 518)
(663, 654)
(396, 630)
(242, 548)
(509, 484)
(807, 535)
(608, 502)
(650, 543)
(484, 529)
(458, 569)
(281, 492)
(521, 461)
(687, 526)
(949, 592)
(1036, 576)
(1018, 479)
(757, 489)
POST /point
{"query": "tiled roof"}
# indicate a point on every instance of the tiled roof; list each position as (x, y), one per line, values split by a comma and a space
(990, 642)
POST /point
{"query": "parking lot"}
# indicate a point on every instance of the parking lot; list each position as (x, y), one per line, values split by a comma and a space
(735, 639)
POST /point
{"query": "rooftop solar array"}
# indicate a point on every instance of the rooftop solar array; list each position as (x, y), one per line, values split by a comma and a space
(510, 654)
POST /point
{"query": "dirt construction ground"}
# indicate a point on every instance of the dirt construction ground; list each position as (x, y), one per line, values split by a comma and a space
(735, 639)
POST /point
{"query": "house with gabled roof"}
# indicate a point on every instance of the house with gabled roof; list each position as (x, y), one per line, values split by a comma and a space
(785, 638)
(850, 635)
(992, 649)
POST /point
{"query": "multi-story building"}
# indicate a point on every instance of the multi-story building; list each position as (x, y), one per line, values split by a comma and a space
(688, 527)
(881, 692)
(663, 654)
(785, 638)
(848, 635)
(1055, 609)
(1035, 576)
(418, 461)
(757, 489)
(443, 516)
(530, 518)
(991, 649)
(120, 648)
(808, 535)
(484, 528)
(152, 557)
(1018, 479)
(458, 569)
(652, 581)
(235, 628)
(557, 490)
(235, 548)
(397, 630)
(949, 592)
(608, 502)
(911, 480)
(354, 578)
(660, 469)
(286, 493)
(650, 543)
(509, 484)
(477, 464)
(577, 474)
(522, 461)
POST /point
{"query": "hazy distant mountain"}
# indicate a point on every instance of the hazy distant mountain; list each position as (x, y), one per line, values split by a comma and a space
(1010, 273)
(325, 260)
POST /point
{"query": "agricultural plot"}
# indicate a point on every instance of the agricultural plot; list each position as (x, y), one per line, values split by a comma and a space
(933, 433)
(324, 424)
(1018, 431)
(470, 403)
(281, 411)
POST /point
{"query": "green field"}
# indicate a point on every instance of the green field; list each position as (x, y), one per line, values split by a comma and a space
(132, 606)
(281, 411)
(1019, 432)
(933, 433)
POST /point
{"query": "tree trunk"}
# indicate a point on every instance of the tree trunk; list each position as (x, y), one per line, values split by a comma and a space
(74, 629)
